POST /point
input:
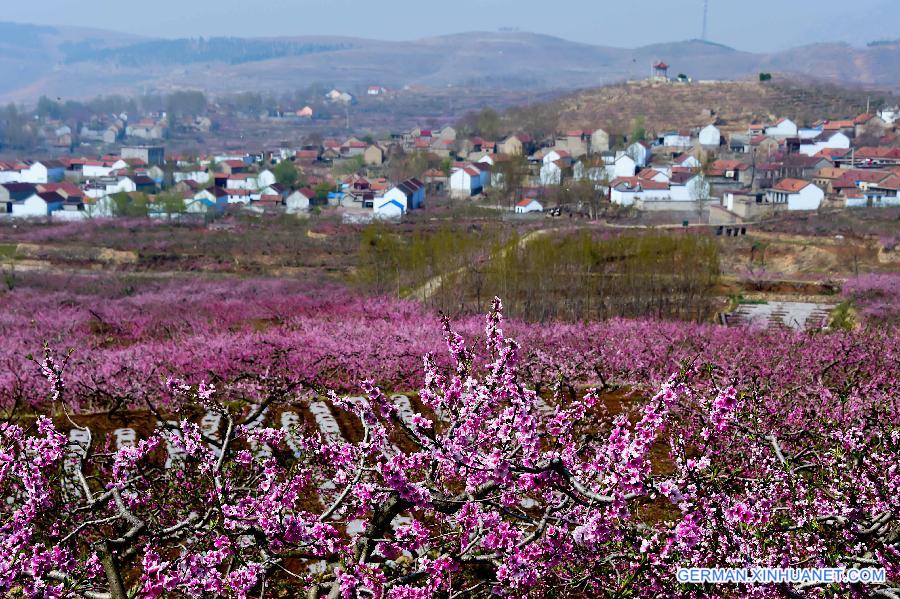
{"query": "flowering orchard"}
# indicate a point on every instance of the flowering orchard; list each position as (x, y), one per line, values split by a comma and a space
(876, 295)
(753, 450)
(128, 341)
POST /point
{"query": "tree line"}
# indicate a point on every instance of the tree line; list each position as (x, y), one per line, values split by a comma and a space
(545, 275)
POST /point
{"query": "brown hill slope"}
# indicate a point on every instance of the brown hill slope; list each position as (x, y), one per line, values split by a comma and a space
(733, 103)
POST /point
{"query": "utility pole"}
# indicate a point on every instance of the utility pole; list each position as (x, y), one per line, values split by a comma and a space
(705, 13)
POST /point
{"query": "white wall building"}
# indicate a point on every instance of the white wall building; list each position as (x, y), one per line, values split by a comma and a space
(675, 139)
(710, 136)
(465, 182)
(837, 140)
(389, 209)
(784, 127)
(528, 205)
(640, 152)
(624, 166)
(37, 205)
(796, 193)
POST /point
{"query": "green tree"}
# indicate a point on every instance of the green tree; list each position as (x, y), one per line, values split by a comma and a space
(638, 130)
(129, 205)
(350, 166)
(169, 204)
(322, 190)
(286, 173)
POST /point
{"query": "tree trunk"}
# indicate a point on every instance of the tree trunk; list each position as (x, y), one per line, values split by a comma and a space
(113, 575)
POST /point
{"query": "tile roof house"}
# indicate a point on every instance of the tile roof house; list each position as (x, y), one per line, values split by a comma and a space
(796, 194)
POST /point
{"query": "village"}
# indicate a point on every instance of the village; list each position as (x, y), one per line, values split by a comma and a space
(702, 173)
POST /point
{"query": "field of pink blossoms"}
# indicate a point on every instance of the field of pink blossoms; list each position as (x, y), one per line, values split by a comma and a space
(748, 448)
(124, 342)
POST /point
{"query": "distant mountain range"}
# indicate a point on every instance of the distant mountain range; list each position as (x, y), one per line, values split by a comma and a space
(75, 63)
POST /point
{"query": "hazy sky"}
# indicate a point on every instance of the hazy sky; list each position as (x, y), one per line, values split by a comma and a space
(757, 25)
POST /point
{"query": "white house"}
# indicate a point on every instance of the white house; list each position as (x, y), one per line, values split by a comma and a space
(410, 194)
(836, 140)
(36, 205)
(201, 176)
(265, 178)
(676, 139)
(298, 201)
(42, 171)
(784, 127)
(687, 161)
(9, 173)
(654, 174)
(242, 181)
(528, 205)
(554, 155)
(551, 173)
(388, 209)
(626, 190)
(687, 187)
(796, 193)
(710, 136)
(238, 196)
(889, 114)
(624, 166)
(465, 182)
(205, 201)
(640, 152)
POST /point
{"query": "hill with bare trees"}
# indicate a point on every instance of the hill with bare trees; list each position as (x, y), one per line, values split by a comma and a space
(733, 104)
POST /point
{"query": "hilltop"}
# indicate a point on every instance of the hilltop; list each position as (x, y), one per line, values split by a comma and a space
(74, 63)
(733, 104)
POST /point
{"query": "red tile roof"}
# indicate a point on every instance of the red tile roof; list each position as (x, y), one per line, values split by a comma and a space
(791, 185)
(892, 182)
(833, 125)
(637, 184)
(869, 152)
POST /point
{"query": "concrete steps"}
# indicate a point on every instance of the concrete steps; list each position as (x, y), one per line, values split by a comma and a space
(780, 316)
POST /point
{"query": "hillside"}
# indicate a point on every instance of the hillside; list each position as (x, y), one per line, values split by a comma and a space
(78, 63)
(733, 103)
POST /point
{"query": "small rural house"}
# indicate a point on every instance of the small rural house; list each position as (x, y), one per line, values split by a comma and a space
(299, 201)
(528, 205)
(782, 128)
(796, 194)
(388, 209)
(465, 182)
(710, 136)
(37, 205)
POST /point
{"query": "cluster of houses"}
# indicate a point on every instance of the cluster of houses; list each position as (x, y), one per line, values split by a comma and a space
(736, 172)
(110, 129)
(743, 174)
(79, 188)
